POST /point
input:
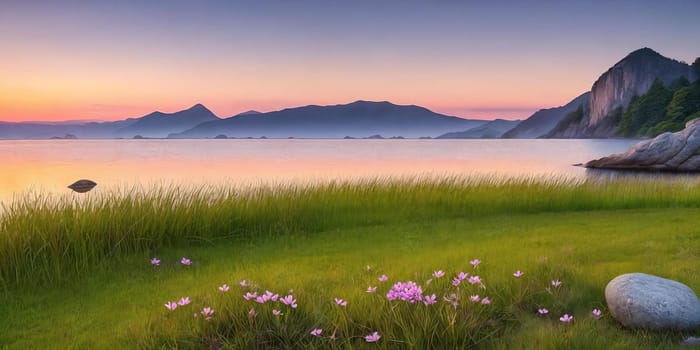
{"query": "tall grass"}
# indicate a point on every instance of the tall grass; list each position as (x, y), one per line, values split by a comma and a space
(46, 240)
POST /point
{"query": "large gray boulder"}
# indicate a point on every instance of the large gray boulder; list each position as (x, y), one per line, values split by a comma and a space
(678, 151)
(638, 300)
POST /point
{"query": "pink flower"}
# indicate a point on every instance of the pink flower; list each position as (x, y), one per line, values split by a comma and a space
(429, 299)
(438, 274)
(474, 298)
(456, 281)
(268, 296)
(243, 283)
(474, 280)
(475, 262)
(276, 312)
(249, 295)
(383, 278)
(184, 301)
(341, 302)
(566, 318)
(316, 332)
(463, 275)
(290, 301)
(542, 311)
(372, 338)
(486, 301)
(224, 288)
(171, 305)
(155, 262)
(252, 313)
(596, 313)
(518, 274)
(207, 311)
(185, 261)
(556, 283)
(371, 289)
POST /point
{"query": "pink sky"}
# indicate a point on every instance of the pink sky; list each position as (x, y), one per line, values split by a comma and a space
(103, 60)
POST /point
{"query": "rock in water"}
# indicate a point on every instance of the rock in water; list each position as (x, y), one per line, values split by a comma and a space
(82, 186)
(678, 151)
(638, 300)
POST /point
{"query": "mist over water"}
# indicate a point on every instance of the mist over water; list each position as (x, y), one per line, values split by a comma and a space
(48, 166)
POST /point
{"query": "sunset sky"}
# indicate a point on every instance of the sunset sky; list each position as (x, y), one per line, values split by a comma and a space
(99, 60)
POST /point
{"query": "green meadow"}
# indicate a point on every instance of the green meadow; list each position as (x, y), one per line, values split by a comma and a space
(76, 270)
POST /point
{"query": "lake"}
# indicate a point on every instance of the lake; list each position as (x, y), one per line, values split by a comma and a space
(51, 165)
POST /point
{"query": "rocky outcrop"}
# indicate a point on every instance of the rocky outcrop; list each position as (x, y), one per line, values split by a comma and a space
(638, 300)
(612, 92)
(678, 151)
(544, 120)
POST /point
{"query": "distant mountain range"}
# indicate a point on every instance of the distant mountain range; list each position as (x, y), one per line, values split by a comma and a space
(155, 125)
(643, 94)
(356, 120)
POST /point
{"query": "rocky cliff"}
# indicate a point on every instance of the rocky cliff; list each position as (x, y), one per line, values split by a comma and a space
(612, 92)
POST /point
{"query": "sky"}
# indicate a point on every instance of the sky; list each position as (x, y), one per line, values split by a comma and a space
(108, 60)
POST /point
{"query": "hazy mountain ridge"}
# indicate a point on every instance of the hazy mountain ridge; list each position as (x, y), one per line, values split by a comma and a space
(159, 124)
(357, 119)
(491, 130)
(544, 120)
(156, 124)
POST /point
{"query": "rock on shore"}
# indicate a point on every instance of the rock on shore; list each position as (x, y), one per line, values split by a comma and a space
(678, 151)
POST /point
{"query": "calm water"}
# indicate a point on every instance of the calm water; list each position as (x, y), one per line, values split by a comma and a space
(52, 165)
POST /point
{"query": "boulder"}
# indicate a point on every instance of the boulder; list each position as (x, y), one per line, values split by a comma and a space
(676, 152)
(638, 300)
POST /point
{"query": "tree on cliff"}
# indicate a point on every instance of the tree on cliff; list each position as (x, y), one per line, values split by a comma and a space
(646, 111)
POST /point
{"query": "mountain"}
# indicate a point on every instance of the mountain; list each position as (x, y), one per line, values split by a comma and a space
(613, 91)
(49, 130)
(158, 124)
(250, 112)
(544, 120)
(357, 119)
(491, 130)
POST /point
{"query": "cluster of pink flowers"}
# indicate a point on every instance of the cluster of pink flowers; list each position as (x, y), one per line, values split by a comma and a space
(406, 291)
(268, 296)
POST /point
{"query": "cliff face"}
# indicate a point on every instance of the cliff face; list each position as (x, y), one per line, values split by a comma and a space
(612, 92)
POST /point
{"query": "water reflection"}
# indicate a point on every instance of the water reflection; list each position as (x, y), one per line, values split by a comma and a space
(51, 165)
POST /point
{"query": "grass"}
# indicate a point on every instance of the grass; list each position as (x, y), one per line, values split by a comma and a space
(76, 274)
